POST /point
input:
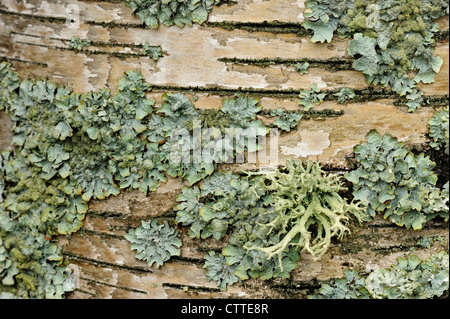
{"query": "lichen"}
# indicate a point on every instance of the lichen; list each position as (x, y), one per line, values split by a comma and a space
(311, 97)
(77, 44)
(438, 130)
(410, 278)
(71, 148)
(170, 12)
(396, 183)
(154, 242)
(388, 39)
(269, 218)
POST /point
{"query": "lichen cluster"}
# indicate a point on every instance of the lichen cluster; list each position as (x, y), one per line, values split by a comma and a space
(71, 148)
(269, 219)
(154, 242)
(171, 12)
(388, 39)
(438, 130)
(396, 183)
(410, 278)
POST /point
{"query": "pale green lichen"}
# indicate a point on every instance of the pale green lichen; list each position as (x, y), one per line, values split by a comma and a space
(396, 183)
(286, 121)
(410, 278)
(271, 217)
(438, 129)
(170, 12)
(71, 148)
(31, 266)
(77, 44)
(311, 97)
(388, 39)
(344, 95)
(155, 52)
(154, 242)
(302, 68)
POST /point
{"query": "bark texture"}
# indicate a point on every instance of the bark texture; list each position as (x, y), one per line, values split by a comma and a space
(213, 61)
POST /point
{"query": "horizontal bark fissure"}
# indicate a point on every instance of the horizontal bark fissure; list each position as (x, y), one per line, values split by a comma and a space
(277, 27)
(79, 258)
(87, 52)
(92, 43)
(190, 287)
(98, 282)
(361, 95)
(265, 26)
(332, 65)
(7, 59)
(84, 292)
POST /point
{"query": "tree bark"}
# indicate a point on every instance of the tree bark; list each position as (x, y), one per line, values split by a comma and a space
(211, 62)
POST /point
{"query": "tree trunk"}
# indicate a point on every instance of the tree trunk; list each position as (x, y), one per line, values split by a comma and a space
(218, 59)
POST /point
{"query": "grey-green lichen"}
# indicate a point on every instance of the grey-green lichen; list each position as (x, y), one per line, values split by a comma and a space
(154, 242)
(285, 121)
(270, 218)
(344, 95)
(389, 39)
(171, 12)
(77, 44)
(410, 278)
(31, 265)
(311, 97)
(438, 130)
(155, 52)
(396, 183)
(71, 148)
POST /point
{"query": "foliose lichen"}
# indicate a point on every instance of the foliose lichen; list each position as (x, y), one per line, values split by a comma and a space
(154, 242)
(389, 39)
(77, 44)
(410, 278)
(71, 148)
(396, 183)
(171, 12)
(438, 130)
(311, 97)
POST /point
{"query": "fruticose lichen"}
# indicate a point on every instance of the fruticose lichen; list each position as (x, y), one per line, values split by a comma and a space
(396, 183)
(388, 39)
(154, 242)
(410, 278)
(170, 12)
(272, 217)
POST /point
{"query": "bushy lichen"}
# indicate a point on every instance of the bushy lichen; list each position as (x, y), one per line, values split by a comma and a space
(395, 182)
(410, 278)
(388, 39)
(438, 129)
(272, 217)
(154, 242)
(170, 12)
